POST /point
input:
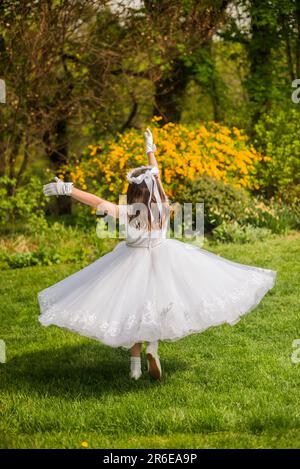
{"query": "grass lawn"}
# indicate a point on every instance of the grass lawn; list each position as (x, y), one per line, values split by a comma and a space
(229, 387)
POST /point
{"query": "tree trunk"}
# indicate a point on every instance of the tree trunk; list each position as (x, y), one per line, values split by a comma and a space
(57, 151)
(259, 82)
(169, 92)
(288, 50)
(215, 99)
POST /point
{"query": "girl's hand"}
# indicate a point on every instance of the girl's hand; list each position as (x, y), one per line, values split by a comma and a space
(150, 146)
(58, 188)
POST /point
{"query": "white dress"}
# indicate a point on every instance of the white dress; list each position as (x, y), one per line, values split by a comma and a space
(153, 288)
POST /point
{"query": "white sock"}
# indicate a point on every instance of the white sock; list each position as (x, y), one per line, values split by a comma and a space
(135, 361)
(135, 364)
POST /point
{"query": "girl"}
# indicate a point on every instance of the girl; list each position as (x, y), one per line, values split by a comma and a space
(149, 288)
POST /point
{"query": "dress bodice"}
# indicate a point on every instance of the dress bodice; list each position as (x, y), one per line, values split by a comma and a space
(142, 238)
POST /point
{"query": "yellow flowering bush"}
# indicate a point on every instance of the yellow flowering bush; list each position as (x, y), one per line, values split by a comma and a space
(183, 153)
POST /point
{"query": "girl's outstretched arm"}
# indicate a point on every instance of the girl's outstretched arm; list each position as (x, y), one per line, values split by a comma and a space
(66, 188)
(95, 201)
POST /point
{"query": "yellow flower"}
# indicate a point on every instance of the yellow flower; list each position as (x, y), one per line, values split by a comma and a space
(183, 153)
(156, 118)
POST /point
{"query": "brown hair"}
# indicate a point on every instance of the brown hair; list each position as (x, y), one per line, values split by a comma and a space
(139, 193)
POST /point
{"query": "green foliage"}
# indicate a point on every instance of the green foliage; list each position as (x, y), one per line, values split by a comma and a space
(268, 32)
(274, 215)
(26, 205)
(26, 259)
(277, 136)
(53, 245)
(83, 215)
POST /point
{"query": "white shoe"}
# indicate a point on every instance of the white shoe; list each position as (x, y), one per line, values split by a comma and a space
(135, 367)
(153, 361)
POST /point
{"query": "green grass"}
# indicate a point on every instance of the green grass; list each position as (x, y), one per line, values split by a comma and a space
(229, 387)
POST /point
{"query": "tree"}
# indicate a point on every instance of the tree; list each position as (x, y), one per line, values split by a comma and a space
(179, 30)
(270, 33)
(33, 51)
(42, 50)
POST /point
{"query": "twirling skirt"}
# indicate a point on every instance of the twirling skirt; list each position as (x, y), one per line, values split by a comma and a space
(164, 293)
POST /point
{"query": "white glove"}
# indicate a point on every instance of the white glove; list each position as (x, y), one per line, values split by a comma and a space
(150, 146)
(58, 188)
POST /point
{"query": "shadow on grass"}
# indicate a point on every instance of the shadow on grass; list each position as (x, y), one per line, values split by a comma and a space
(81, 371)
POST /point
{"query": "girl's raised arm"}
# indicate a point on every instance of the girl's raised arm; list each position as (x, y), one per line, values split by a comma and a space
(150, 148)
(66, 188)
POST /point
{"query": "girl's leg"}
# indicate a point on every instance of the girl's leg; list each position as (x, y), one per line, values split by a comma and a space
(152, 347)
(136, 349)
(154, 366)
(135, 361)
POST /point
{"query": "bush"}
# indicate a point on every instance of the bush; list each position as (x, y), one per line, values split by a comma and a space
(225, 203)
(184, 153)
(25, 206)
(222, 202)
(274, 215)
(233, 232)
(26, 259)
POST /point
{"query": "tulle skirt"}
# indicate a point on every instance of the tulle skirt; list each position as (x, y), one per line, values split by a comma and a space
(164, 293)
